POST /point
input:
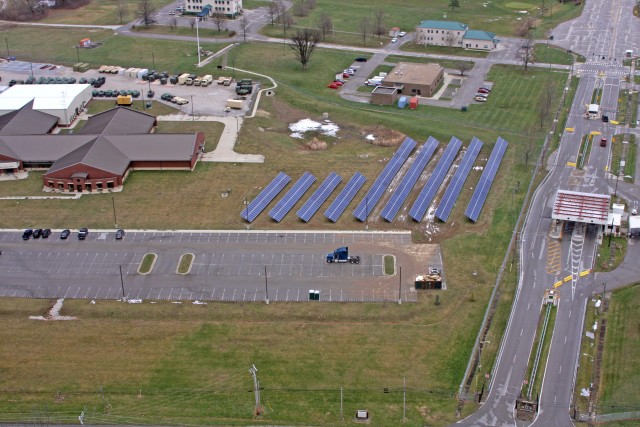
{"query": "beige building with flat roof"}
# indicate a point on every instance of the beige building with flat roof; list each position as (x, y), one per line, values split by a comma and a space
(414, 79)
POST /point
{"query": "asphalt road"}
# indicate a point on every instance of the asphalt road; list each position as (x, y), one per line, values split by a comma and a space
(227, 266)
(604, 38)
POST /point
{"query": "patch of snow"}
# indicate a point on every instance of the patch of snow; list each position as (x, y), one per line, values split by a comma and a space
(598, 303)
(54, 313)
(135, 301)
(595, 326)
(176, 302)
(477, 168)
(196, 302)
(370, 137)
(522, 11)
(327, 128)
(585, 392)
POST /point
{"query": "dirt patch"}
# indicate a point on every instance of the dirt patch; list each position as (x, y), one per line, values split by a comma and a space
(316, 145)
(54, 313)
(382, 136)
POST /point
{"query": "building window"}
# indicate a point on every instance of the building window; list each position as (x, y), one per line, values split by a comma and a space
(99, 186)
(50, 184)
(70, 187)
(109, 184)
(61, 186)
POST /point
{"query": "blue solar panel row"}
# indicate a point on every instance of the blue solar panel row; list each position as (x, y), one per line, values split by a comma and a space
(429, 190)
(296, 192)
(319, 197)
(484, 185)
(337, 207)
(257, 205)
(409, 180)
(381, 183)
(455, 186)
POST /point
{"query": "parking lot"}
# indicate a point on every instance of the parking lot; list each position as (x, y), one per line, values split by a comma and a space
(226, 266)
(203, 101)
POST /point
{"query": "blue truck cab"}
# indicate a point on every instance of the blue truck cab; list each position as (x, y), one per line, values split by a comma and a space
(342, 255)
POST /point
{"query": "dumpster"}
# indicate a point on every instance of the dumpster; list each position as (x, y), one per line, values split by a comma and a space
(413, 104)
(402, 102)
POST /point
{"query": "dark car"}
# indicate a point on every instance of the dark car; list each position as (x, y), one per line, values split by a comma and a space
(37, 233)
(27, 234)
(83, 233)
(605, 119)
(483, 90)
(46, 233)
(119, 234)
(150, 94)
(65, 234)
(361, 59)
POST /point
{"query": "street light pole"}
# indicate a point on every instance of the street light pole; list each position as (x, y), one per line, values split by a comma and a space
(266, 287)
(115, 219)
(193, 117)
(124, 298)
(78, 52)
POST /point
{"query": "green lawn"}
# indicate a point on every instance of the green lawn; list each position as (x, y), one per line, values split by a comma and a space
(446, 63)
(181, 31)
(185, 263)
(500, 16)
(621, 366)
(588, 348)
(101, 12)
(543, 53)
(147, 263)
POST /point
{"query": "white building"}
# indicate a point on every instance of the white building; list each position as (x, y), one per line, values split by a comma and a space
(207, 8)
(63, 101)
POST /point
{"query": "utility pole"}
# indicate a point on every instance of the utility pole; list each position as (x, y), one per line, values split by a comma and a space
(256, 389)
(404, 399)
(399, 285)
(266, 287)
(124, 298)
(198, 40)
(193, 117)
(604, 289)
(341, 417)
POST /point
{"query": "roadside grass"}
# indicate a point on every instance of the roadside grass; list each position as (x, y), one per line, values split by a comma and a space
(610, 256)
(389, 265)
(620, 365)
(588, 349)
(381, 69)
(185, 263)
(544, 354)
(585, 150)
(496, 16)
(634, 109)
(188, 364)
(56, 45)
(636, 79)
(551, 54)
(595, 97)
(564, 114)
(147, 262)
(158, 108)
(446, 63)
(181, 31)
(442, 50)
(98, 13)
(617, 148)
(630, 163)
(623, 101)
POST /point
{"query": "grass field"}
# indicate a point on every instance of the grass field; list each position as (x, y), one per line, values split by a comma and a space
(102, 12)
(588, 347)
(501, 16)
(187, 364)
(621, 367)
(551, 55)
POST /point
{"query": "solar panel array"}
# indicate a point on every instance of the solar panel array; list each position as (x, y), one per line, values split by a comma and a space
(338, 206)
(381, 183)
(455, 186)
(257, 205)
(429, 190)
(296, 192)
(398, 197)
(484, 185)
(319, 197)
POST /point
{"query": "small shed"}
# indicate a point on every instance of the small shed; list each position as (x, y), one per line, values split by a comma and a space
(634, 226)
(394, 31)
(617, 208)
(384, 95)
(86, 42)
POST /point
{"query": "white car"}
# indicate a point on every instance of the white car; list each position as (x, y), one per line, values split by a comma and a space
(393, 40)
(480, 99)
(402, 33)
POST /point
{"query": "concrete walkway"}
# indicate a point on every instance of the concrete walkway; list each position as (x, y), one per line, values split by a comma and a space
(224, 151)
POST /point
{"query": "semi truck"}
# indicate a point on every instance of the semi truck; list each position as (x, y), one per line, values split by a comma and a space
(342, 255)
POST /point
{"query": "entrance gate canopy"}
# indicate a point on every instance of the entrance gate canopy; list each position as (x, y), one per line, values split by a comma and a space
(581, 207)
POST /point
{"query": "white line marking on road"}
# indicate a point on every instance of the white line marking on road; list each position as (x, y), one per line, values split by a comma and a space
(565, 339)
(569, 314)
(560, 370)
(529, 306)
(521, 331)
(514, 358)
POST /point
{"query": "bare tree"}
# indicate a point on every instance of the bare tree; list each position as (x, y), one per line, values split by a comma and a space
(450, 39)
(453, 4)
(364, 29)
(173, 23)
(122, 10)
(311, 4)
(301, 9)
(303, 44)
(218, 20)
(325, 24)
(527, 53)
(275, 8)
(379, 27)
(244, 26)
(192, 23)
(146, 12)
(545, 102)
(463, 66)
(287, 20)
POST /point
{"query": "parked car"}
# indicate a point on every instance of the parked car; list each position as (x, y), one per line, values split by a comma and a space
(402, 33)
(483, 95)
(37, 233)
(480, 99)
(603, 142)
(83, 233)
(119, 234)
(27, 234)
(338, 82)
(46, 233)
(483, 90)
(394, 40)
(64, 234)
(345, 75)
(361, 59)
(333, 85)
(605, 118)
(150, 93)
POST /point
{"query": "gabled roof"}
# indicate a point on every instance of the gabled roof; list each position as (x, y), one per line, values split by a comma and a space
(26, 121)
(43, 148)
(45, 97)
(443, 25)
(99, 153)
(118, 121)
(155, 147)
(479, 35)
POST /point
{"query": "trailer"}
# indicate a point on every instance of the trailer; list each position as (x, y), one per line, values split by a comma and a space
(183, 78)
(236, 104)
(342, 255)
